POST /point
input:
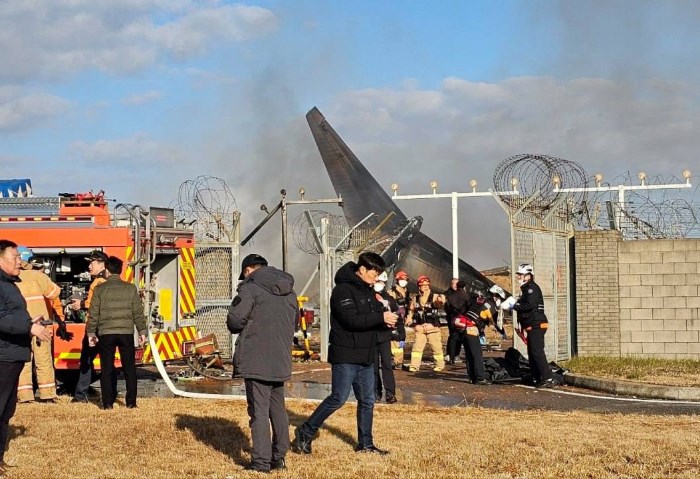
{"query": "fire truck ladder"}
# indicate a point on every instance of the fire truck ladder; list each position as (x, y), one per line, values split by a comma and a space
(144, 231)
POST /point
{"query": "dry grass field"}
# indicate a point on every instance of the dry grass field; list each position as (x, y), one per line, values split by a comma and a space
(678, 372)
(183, 438)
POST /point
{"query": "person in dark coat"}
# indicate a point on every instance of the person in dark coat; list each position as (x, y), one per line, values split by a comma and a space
(16, 330)
(533, 321)
(357, 317)
(263, 314)
(467, 320)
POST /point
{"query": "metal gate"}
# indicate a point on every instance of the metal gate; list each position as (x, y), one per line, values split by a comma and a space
(218, 267)
(541, 238)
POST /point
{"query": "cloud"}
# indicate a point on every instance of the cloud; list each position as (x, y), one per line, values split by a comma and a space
(130, 154)
(116, 36)
(142, 98)
(21, 109)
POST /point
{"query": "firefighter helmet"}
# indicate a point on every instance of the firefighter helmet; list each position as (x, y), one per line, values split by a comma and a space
(423, 279)
(25, 254)
(401, 275)
(525, 269)
(497, 291)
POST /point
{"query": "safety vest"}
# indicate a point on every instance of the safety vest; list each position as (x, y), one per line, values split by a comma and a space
(426, 314)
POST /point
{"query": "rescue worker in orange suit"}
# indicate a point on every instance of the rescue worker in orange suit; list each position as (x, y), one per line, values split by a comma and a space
(399, 292)
(533, 321)
(88, 353)
(426, 305)
(471, 312)
(383, 370)
(36, 288)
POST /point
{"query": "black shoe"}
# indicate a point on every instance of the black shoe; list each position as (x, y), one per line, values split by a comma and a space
(378, 397)
(251, 467)
(80, 400)
(107, 407)
(373, 449)
(278, 464)
(546, 384)
(302, 442)
(391, 399)
(131, 406)
(482, 382)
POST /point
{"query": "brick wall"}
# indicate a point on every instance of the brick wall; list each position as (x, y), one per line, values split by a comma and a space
(597, 293)
(658, 284)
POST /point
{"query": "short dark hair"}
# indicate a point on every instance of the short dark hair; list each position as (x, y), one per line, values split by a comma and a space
(371, 260)
(461, 284)
(4, 244)
(114, 265)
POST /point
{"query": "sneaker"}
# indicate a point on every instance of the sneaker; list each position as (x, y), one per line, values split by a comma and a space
(391, 399)
(251, 467)
(371, 449)
(546, 384)
(302, 442)
(412, 369)
(482, 382)
(80, 400)
(278, 464)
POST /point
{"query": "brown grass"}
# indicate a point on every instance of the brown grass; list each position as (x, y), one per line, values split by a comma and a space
(178, 438)
(669, 372)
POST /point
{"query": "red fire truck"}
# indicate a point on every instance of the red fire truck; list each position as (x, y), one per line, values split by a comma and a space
(158, 255)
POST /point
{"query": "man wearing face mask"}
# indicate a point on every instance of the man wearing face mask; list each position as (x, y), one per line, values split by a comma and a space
(400, 294)
(498, 294)
(530, 309)
(382, 364)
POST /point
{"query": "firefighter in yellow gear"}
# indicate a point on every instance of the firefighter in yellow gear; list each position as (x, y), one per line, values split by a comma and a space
(36, 288)
(426, 305)
(403, 300)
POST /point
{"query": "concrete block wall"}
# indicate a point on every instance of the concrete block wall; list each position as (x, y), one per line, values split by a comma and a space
(597, 293)
(659, 302)
(637, 298)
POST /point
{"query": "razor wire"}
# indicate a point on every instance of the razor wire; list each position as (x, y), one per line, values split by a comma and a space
(208, 202)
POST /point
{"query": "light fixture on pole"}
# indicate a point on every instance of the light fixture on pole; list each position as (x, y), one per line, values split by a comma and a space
(301, 193)
(514, 184)
(598, 180)
(556, 181)
(642, 178)
(686, 175)
(433, 186)
(395, 188)
(473, 184)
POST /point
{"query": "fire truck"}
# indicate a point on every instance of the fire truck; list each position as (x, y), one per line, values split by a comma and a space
(158, 255)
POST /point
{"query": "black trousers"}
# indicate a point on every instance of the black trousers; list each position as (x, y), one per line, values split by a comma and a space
(382, 363)
(108, 345)
(87, 357)
(9, 379)
(454, 341)
(475, 360)
(265, 408)
(539, 367)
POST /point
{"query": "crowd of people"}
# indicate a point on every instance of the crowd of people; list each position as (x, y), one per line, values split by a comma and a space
(368, 322)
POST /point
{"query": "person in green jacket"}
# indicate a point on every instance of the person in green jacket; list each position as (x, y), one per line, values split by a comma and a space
(115, 310)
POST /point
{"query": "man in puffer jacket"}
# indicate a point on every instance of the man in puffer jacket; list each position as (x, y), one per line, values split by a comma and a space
(115, 310)
(263, 314)
(357, 317)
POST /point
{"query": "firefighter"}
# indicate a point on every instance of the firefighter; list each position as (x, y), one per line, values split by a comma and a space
(403, 301)
(36, 288)
(427, 325)
(533, 322)
(471, 315)
(383, 360)
(88, 353)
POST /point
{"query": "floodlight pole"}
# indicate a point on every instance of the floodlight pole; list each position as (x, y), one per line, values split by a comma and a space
(454, 196)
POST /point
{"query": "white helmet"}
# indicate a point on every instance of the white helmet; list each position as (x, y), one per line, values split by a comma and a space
(495, 289)
(524, 269)
(383, 277)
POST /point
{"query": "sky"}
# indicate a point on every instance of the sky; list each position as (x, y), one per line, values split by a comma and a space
(136, 97)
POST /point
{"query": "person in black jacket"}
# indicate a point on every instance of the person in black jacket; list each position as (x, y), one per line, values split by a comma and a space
(357, 317)
(263, 314)
(530, 309)
(16, 330)
(467, 321)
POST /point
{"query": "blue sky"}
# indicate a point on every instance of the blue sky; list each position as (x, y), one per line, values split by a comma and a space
(137, 96)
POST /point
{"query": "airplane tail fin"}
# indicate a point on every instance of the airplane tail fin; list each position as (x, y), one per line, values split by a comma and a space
(359, 190)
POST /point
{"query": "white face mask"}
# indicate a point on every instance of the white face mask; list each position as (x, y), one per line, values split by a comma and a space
(498, 302)
(403, 283)
(379, 286)
(522, 281)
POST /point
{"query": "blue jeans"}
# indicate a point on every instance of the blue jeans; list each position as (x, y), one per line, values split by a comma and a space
(361, 378)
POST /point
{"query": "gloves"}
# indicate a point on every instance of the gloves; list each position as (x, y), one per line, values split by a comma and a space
(507, 304)
(62, 332)
(402, 344)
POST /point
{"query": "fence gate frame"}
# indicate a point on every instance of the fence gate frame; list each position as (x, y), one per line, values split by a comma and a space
(217, 266)
(543, 240)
